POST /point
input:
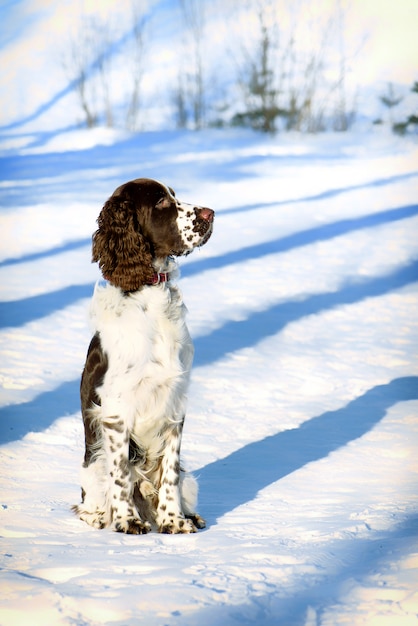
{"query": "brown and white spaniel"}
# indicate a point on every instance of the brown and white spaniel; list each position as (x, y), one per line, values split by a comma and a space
(133, 387)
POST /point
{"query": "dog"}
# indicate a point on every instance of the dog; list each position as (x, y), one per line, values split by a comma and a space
(135, 378)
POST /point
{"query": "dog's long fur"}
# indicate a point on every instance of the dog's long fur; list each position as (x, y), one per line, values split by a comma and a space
(133, 387)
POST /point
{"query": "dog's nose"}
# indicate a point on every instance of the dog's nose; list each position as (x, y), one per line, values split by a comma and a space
(207, 214)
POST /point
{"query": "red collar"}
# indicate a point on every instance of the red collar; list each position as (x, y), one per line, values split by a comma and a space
(161, 277)
(158, 277)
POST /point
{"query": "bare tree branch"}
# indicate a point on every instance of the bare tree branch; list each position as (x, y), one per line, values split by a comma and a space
(194, 18)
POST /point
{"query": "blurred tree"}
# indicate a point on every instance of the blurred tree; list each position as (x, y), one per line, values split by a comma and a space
(291, 78)
(85, 53)
(390, 100)
(411, 122)
(136, 63)
(180, 102)
(88, 60)
(259, 77)
(341, 117)
(191, 92)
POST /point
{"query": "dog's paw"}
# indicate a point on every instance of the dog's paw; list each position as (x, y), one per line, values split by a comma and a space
(198, 521)
(131, 526)
(176, 525)
(96, 519)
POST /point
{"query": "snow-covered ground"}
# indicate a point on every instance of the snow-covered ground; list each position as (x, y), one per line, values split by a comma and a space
(302, 424)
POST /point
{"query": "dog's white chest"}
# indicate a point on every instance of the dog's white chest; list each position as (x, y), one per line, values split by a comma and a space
(149, 352)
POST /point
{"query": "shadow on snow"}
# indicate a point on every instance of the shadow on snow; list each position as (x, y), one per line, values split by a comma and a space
(146, 154)
(324, 195)
(354, 559)
(37, 414)
(301, 238)
(44, 254)
(255, 466)
(282, 244)
(236, 335)
(18, 312)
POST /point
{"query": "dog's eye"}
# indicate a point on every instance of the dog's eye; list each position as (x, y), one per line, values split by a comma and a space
(164, 203)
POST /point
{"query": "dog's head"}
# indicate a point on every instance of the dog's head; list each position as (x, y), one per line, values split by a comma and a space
(143, 223)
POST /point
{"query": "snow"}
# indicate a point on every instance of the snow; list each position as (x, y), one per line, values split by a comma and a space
(302, 424)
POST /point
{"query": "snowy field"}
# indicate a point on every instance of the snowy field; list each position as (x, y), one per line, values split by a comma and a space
(302, 425)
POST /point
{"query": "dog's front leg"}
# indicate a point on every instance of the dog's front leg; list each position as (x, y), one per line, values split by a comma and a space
(123, 513)
(170, 517)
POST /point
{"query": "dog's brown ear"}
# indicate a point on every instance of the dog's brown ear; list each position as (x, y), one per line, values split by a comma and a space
(119, 246)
